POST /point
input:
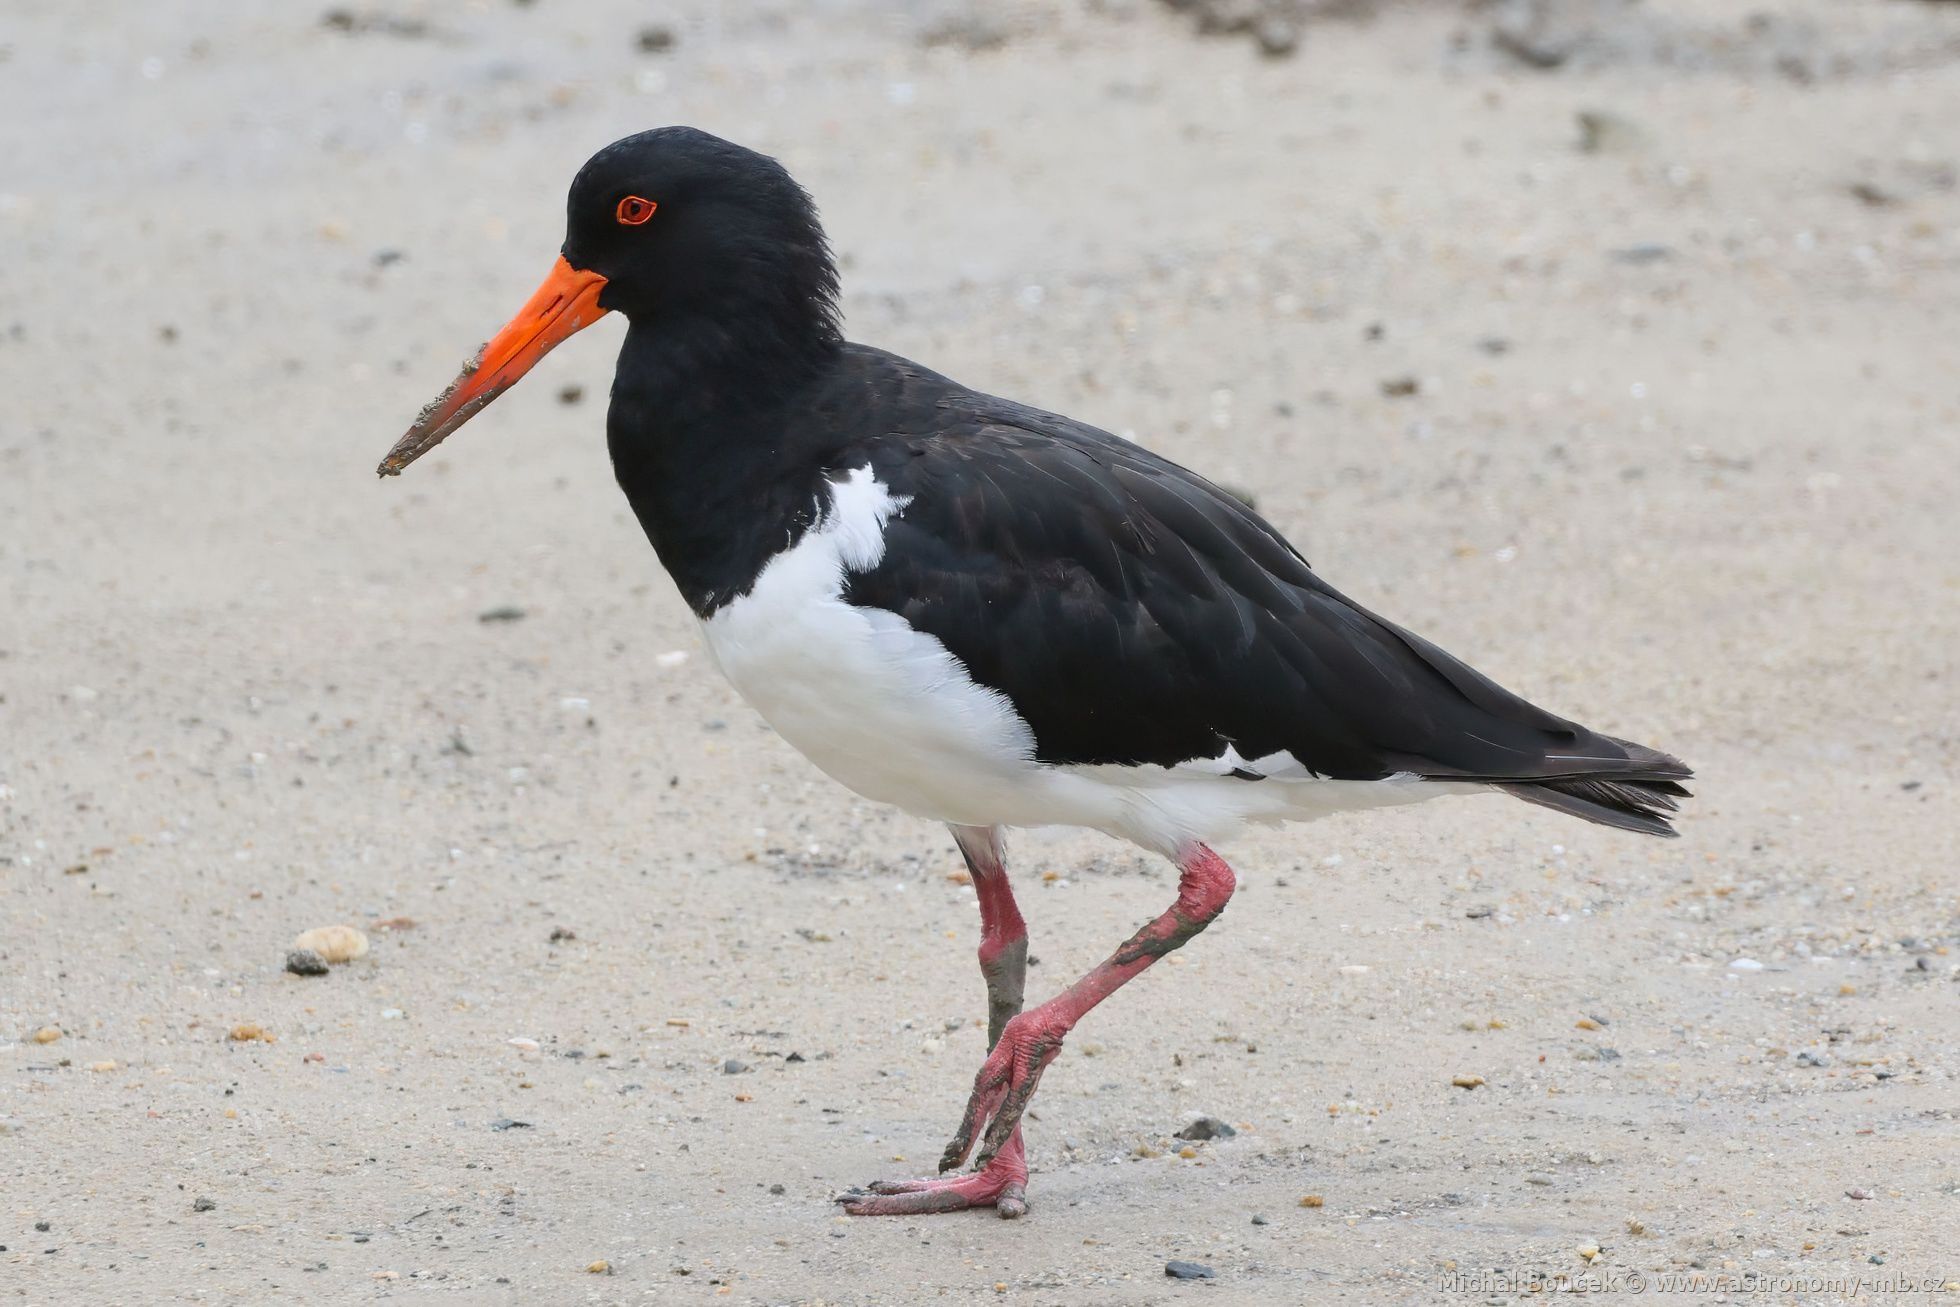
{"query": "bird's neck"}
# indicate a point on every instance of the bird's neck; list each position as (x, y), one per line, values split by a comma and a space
(717, 439)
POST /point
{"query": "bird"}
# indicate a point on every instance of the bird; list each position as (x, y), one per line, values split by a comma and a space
(987, 614)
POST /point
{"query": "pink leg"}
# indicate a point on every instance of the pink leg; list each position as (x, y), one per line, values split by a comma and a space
(1002, 1183)
(1032, 1039)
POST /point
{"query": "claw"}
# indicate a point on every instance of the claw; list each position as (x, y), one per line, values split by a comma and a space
(1002, 1186)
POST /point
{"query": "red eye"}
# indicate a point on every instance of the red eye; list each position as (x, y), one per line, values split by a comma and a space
(633, 211)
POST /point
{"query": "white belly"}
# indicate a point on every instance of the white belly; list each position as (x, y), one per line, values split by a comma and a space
(879, 706)
(888, 711)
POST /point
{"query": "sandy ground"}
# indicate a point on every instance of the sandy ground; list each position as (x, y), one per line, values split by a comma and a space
(1680, 461)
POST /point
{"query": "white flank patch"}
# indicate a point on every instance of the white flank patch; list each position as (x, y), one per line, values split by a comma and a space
(888, 711)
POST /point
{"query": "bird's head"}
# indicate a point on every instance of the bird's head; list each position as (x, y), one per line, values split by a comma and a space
(715, 243)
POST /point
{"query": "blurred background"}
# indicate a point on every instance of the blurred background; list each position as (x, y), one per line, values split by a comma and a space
(1610, 343)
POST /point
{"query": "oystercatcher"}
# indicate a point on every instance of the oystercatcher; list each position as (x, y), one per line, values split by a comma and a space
(987, 614)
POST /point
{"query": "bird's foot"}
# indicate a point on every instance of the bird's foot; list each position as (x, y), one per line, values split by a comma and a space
(1002, 1185)
(1006, 1082)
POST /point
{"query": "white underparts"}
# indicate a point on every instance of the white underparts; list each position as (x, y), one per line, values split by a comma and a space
(888, 711)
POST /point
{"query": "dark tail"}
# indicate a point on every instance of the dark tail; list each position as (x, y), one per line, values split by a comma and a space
(1637, 793)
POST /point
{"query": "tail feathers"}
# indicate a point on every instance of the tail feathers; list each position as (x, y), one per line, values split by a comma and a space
(1636, 794)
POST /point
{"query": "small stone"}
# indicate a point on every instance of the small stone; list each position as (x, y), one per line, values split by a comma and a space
(559, 934)
(1636, 1226)
(106, 1065)
(656, 39)
(204, 1205)
(1586, 1023)
(334, 943)
(1538, 1178)
(1187, 1152)
(734, 1067)
(1189, 1271)
(570, 395)
(501, 613)
(47, 1034)
(1257, 1219)
(1604, 132)
(306, 962)
(1644, 253)
(1808, 1058)
(503, 1123)
(600, 1267)
(1862, 1195)
(248, 1032)
(1745, 964)
(1207, 1127)
(1466, 1082)
(777, 1190)
(1313, 1200)
(1589, 1251)
(1479, 912)
(1277, 36)
(1401, 387)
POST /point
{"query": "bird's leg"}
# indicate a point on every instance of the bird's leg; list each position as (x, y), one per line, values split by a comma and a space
(1002, 1183)
(1032, 1039)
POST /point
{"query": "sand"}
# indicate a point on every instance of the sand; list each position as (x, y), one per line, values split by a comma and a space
(1664, 434)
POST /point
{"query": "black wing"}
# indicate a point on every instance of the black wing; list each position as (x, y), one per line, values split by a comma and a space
(1136, 613)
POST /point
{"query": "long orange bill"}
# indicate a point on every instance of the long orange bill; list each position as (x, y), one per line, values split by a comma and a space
(567, 302)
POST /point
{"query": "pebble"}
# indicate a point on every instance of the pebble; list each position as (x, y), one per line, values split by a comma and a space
(204, 1205)
(1589, 1251)
(501, 613)
(1466, 1082)
(1258, 1219)
(47, 1034)
(1745, 964)
(656, 39)
(1604, 132)
(1862, 1195)
(1207, 1127)
(1538, 1178)
(108, 1065)
(246, 1032)
(306, 962)
(503, 1123)
(1313, 1200)
(734, 1067)
(1808, 1058)
(1188, 1271)
(523, 1045)
(569, 395)
(334, 943)
(600, 1267)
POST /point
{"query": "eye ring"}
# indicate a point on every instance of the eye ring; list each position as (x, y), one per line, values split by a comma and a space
(634, 210)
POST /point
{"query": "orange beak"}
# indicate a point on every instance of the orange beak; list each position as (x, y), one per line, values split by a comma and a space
(567, 302)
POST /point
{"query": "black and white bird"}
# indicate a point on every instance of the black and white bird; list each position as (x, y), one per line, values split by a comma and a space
(987, 614)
